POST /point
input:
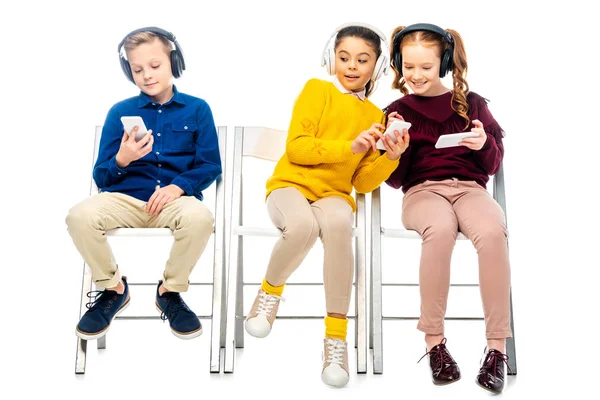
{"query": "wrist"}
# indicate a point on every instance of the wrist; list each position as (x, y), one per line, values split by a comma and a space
(121, 163)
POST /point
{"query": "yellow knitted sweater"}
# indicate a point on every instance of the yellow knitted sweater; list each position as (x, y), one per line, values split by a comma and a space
(318, 160)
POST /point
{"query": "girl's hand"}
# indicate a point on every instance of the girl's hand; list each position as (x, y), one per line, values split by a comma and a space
(367, 139)
(131, 150)
(394, 116)
(395, 150)
(475, 143)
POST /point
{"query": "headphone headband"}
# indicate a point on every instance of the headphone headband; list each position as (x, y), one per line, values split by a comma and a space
(176, 56)
(447, 62)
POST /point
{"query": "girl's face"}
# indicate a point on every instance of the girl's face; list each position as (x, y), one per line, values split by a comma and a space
(421, 69)
(151, 68)
(354, 63)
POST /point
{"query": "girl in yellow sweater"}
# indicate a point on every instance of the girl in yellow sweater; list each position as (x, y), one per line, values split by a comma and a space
(331, 149)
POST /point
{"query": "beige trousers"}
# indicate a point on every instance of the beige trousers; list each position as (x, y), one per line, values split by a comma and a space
(438, 211)
(189, 219)
(301, 222)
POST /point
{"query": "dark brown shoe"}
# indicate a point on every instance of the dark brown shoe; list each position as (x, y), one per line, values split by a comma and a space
(491, 373)
(444, 369)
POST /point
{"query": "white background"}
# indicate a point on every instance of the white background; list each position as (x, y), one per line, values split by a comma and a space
(536, 61)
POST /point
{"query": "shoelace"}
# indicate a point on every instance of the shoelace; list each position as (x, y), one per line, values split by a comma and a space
(334, 351)
(98, 296)
(495, 356)
(440, 354)
(174, 304)
(266, 303)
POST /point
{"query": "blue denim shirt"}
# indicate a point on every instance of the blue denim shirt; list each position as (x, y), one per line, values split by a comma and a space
(185, 150)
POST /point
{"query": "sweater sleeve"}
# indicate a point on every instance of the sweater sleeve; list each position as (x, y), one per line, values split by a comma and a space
(489, 157)
(303, 147)
(396, 179)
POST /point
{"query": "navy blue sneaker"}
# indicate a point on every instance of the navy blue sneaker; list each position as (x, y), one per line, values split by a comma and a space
(104, 306)
(183, 321)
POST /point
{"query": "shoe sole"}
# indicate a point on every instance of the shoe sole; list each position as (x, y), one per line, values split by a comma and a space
(327, 382)
(486, 388)
(98, 335)
(183, 335)
(446, 383)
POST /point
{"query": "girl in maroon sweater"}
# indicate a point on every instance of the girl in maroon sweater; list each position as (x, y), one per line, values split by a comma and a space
(445, 190)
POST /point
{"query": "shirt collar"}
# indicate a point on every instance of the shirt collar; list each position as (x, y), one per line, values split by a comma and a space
(144, 100)
(360, 94)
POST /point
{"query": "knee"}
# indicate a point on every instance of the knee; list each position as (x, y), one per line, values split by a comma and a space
(82, 216)
(491, 235)
(302, 229)
(199, 218)
(441, 232)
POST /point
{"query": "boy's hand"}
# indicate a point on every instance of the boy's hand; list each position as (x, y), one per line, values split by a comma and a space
(131, 150)
(163, 196)
(367, 139)
(395, 150)
(475, 143)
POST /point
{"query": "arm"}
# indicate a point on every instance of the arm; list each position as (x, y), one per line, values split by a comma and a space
(489, 157)
(106, 171)
(372, 170)
(302, 146)
(207, 162)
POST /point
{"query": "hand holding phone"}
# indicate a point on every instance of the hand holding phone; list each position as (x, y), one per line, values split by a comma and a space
(396, 125)
(131, 122)
(453, 139)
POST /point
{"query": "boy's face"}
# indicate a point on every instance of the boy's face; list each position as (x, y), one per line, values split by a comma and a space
(151, 68)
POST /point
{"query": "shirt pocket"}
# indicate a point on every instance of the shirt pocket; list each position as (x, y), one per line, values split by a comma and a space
(183, 135)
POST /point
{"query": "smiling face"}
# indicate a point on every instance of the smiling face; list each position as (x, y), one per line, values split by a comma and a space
(151, 68)
(421, 69)
(354, 62)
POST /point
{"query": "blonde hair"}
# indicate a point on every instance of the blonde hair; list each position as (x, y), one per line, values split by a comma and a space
(137, 39)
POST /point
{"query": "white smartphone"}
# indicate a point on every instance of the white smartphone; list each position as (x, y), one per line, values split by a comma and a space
(396, 125)
(130, 122)
(452, 139)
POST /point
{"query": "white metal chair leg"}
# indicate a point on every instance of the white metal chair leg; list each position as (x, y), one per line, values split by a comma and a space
(86, 286)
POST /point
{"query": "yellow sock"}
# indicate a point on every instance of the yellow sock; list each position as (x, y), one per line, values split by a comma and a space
(336, 328)
(273, 290)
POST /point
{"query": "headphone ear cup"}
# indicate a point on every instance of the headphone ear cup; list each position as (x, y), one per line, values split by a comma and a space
(447, 63)
(330, 63)
(126, 69)
(175, 64)
(379, 67)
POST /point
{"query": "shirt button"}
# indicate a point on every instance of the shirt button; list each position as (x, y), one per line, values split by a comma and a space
(158, 181)
(118, 173)
(158, 134)
(159, 111)
(185, 127)
(159, 165)
(158, 152)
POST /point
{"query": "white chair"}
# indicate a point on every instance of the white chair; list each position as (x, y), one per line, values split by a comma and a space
(376, 284)
(269, 144)
(218, 282)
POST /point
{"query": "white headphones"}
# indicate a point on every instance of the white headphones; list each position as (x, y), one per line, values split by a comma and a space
(383, 61)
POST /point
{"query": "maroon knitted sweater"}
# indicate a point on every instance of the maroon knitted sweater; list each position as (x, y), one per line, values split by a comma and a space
(431, 117)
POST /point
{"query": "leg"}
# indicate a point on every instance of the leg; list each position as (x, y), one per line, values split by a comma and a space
(192, 224)
(291, 213)
(481, 219)
(425, 210)
(87, 223)
(335, 218)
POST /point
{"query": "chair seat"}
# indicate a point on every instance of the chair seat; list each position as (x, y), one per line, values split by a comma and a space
(266, 232)
(410, 234)
(139, 232)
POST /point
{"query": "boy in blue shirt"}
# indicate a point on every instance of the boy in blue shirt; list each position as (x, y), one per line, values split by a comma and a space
(156, 182)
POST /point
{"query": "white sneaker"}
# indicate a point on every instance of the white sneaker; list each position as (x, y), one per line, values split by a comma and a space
(335, 363)
(262, 314)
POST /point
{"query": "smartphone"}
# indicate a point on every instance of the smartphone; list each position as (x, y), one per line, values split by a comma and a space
(397, 125)
(130, 122)
(452, 139)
